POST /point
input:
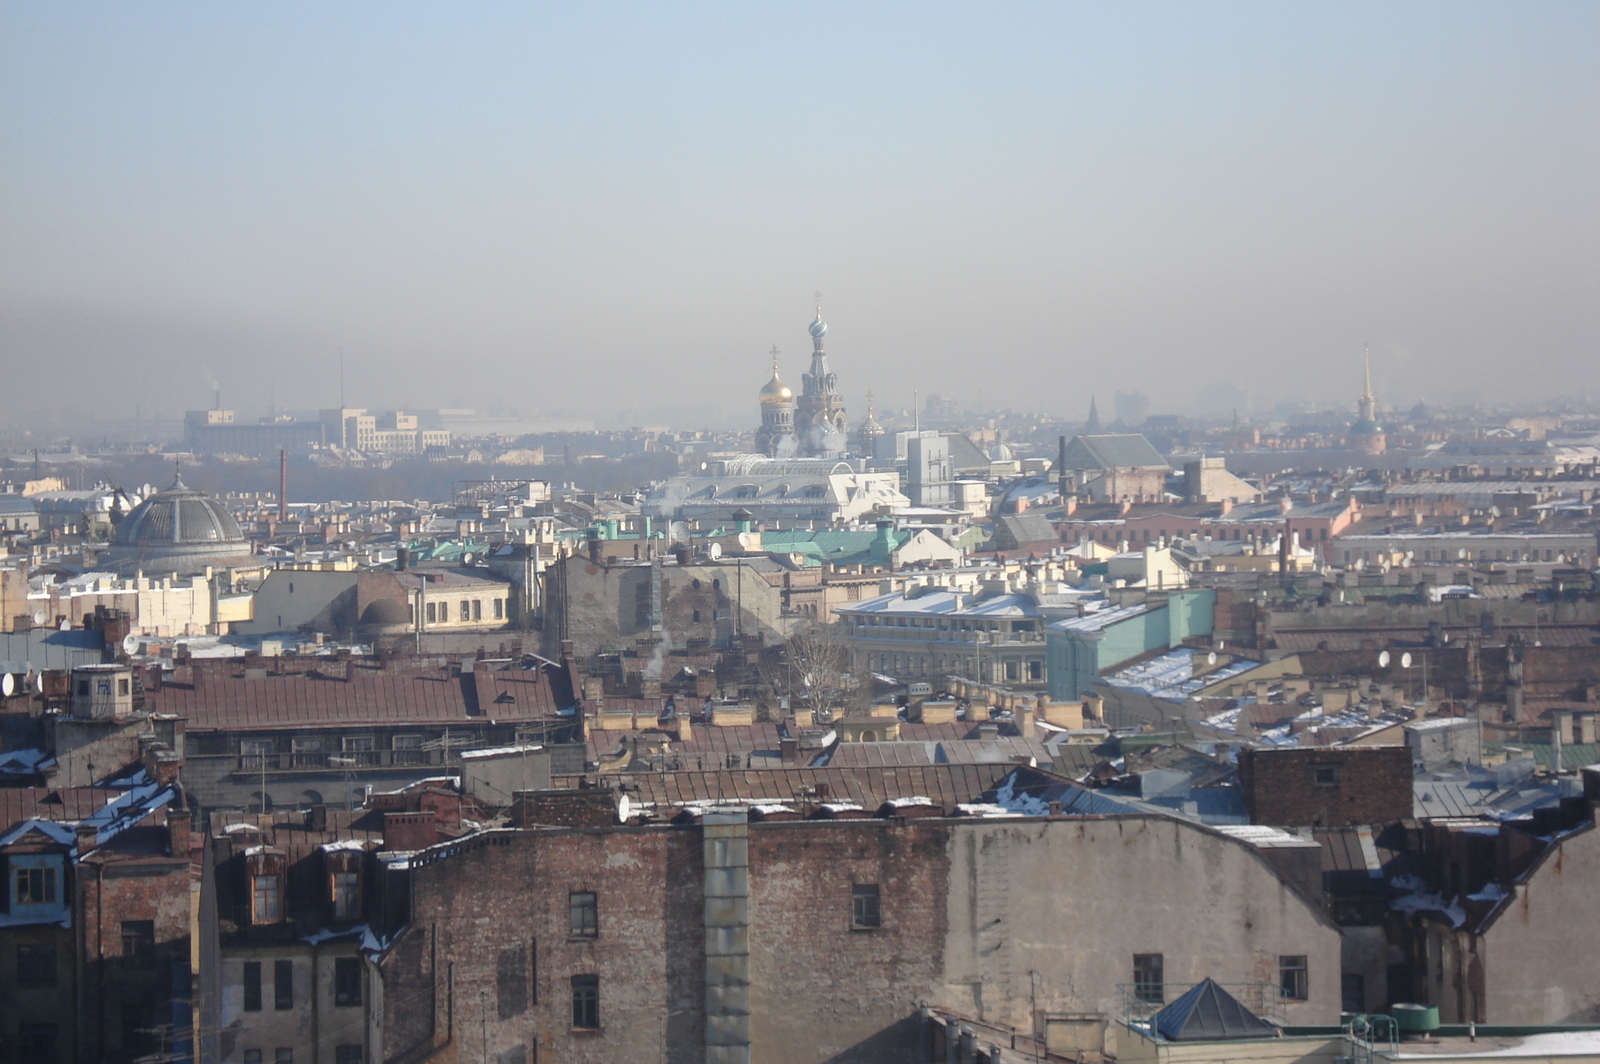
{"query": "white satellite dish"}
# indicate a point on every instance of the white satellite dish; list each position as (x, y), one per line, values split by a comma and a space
(39, 616)
(1383, 660)
(38, 683)
(1221, 644)
(65, 625)
(1405, 660)
(130, 644)
(715, 550)
(1211, 658)
(624, 809)
(466, 559)
(8, 684)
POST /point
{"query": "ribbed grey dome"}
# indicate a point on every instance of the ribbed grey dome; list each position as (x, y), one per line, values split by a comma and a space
(178, 530)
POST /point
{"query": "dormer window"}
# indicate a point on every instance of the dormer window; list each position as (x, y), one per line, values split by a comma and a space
(346, 896)
(36, 886)
(266, 899)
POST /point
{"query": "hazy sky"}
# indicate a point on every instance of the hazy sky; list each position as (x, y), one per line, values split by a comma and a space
(583, 207)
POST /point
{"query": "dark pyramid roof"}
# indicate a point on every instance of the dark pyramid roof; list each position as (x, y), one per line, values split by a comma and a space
(1208, 1013)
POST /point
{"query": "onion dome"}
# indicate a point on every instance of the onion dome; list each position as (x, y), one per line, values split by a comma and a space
(179, 530)
(819, 328)
(776, 391)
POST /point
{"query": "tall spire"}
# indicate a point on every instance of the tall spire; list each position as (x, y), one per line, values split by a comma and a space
(1366, 372)
(1093, 425)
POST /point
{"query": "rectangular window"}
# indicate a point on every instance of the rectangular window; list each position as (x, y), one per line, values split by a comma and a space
(586, 1002)
(1292, 983)
(347, 981)
(266, 898)
(37, 1042)
(257, 754)
(346, 896)
(348, 1055)
(309, 751)
(408, 750)
(102, 687)
(584, 910)
(465, 611)
(252, 1056)
(1148, 981)
(477, 609)
(433, 610)
(499, 609)
(864, 905)
(1326, 775)
(283, 1056)
(122, 687)
(138, 943)
(282, 985)
(36, 965)
(36, 886)
(252, 986)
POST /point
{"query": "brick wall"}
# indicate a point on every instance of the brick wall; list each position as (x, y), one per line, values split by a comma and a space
(1327, 787)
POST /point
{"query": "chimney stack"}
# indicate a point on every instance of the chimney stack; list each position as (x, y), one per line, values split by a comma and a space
(178, 821)
(283, 485)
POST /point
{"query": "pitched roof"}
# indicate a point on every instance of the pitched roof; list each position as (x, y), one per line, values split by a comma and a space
(224, 699)
(1208, 1013)
(1112, 452)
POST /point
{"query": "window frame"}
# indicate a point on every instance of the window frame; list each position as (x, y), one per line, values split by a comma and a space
(250, 981)
(866, 907)
(32, 974)
(261, 913)
(1151, 991)
(46, 892)
(347, 991)
(586, 1002)
(138, 944)
(282, 985)
(1293, 969)
(583, 918)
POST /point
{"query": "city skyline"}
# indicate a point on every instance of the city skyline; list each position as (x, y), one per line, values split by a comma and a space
(599, 212)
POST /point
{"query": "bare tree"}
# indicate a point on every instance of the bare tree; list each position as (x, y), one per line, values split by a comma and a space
(820, 675)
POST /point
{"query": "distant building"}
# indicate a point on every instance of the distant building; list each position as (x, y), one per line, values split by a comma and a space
(819, 419)
(869, 433)
(179, 530)
(216, 431)
(392, 433)
(1111, 468)
(772, 490)
(1366, 435)
(775, 438)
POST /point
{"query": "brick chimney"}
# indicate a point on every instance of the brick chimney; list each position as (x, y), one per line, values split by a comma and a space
(178, 821)
(85, 837)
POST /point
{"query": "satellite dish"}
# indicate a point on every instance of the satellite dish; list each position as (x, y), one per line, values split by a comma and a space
(38, 683)
(8, 684)
(715, 550)
(130, 644)
(624, 809)
(466, 559)
(1221, 644)
(678, 532)
(1383, 660)
(39, 616)
(1405, 660)
(1211, 658)
(65, 625)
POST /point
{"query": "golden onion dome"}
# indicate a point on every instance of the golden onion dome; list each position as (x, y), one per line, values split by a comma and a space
(776, 391)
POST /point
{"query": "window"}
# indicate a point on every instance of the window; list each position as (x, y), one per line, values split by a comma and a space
(282, 985)
(360, 748)
(36, 886)
(499, 609)
(308, 751)
(102, 687)
(586, 1002)
(122, 687)
(252, 986)
(138, 943)
(864, 906)
(346, 896)
(1292, 978)
(465, 611)
(36, 965)
(252, 1056)
(433, 612)
(257, 754)
(477, 609)
(696, 616)
(1148, 981)
(283, 1056)
(348, 1055)
(347, 981)
(1326, 775)
(266, 895)
(37, 1042)
(408, 750)
(584, 909)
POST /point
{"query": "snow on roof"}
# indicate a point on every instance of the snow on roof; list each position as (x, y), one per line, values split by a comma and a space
(1172, 675)
(342, 844)
(916, 799)
(984, 809)
(1437, 723)
(499, 751)
(1094, 622)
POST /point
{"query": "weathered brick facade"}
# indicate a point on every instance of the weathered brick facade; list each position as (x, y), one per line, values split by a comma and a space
(963, 910)
(1334, 787)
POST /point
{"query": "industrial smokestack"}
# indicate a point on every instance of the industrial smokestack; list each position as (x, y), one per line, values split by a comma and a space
(283, 485)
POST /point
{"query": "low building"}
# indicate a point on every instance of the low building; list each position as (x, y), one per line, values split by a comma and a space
(932, 632)
(795, 491)
(1466, 547)
(1081, 649)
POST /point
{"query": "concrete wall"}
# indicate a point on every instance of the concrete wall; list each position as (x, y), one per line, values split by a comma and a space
(1539, 956)
(1076, 659)
(316, 1024)
(1074, 900)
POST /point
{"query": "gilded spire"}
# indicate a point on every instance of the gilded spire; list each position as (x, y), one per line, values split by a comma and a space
(1366, 373)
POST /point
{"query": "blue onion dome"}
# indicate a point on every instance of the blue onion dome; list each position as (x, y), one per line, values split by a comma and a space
(819, 328)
